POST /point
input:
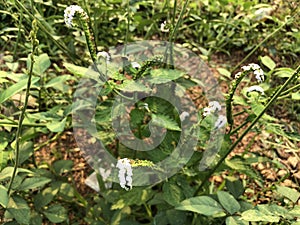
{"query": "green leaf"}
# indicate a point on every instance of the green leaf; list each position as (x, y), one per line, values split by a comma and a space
(254, 215)
(234, 220)
(296, 96)
(165, 121)
(62, 166)
(44, 197)
(3, 158)
(15, 88)
(160, 76)
(172, 194)
(78, 70)
(202, 204)
(235, 187)
(33, 182)
(268, 62)
(26, 150)
(224, 72)
(19, 209)
(289, 193)
(56, 213)
(228, 202)
(295, 211)
(133, 86)
(41, 63)
(59, 82)
(7, 172)
(283, 72)
(57, 126)
(3, 196)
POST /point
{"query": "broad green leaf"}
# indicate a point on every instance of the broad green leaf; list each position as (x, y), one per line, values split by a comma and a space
(235, 187)
(80, 71)
(172, 194)
(7, 172)
(289, 193)
(59, 82)
(15, 88)
(3, 158)
(62, 166)
(295, 211)
(33, 182)
(19, 209)
(41, 63)
(133, 86)
(44, 197)
(36, 219)
(26, 150)
(283, 72)
(228, 202)
(296, 96)
(165, 121)
(56, 213)
(254, 215)
(224, 72)
(66, 191)
(160, 76)
(234, 220)
(268, 62)
(202, 204)
(57, 126)
(3, 196)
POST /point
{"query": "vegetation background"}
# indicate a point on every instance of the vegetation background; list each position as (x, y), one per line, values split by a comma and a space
(42, 171)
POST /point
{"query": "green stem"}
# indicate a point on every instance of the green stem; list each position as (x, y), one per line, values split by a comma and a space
(22, 115)
(275, 96)
(290, 90)
(263, 41)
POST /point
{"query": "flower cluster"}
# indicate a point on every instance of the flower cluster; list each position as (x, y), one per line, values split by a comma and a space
(221, 121)
(213, 107)
(104, 55)
(258, 72)
(125, 173)
(163, 27)
(70, 12)
(255, 88)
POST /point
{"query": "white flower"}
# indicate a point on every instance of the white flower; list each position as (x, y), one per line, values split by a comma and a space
(125, 168)
(258, 72)
(184, 115)
(259, 75)
(255, 88)
(104, 55)
(246, 68)
(213, 106)
(254, 66)
(135, 65)
(237, 75)
(221, 121)
(162, 27)
(70, 12)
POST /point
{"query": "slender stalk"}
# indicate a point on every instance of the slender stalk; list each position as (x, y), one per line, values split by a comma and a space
(264, 41)
(290, 90)
(275, 96)
(22, 115)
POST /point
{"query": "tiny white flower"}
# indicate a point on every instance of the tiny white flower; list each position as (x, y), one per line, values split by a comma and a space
(255, 88)
(184, 115)
(259, 75)
(213, 106)
(254, 66)
(162, 27)
(246, 68)
(125, 168)
(70, 12)
(237, 75)
(135, 65)
(221, 121)
(104, 55)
